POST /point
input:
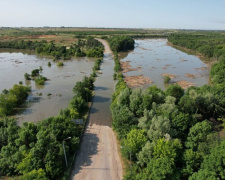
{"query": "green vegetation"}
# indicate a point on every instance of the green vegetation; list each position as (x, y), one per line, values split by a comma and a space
(36, 150)
(12, 99)
(211, 45)
(49, 64)
(176, 128)
(114, 76)
(172, 134)
(40, 80)
(97, 65)
(27, 76)
(89, 46)
(167, 79)
(121, 43)
(60, 63)
(117, 63)
(34, 72)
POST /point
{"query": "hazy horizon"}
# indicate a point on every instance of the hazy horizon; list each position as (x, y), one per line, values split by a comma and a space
(168, 14)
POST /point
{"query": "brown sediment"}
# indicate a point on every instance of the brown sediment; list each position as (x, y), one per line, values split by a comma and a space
(185, 84)
(190, 75)
(181, 59)
(41, 36)
(126, 67)
(165, 67)
(18, 62)
(172, 76)
(137, 81)
(143, 48)
(202, 68)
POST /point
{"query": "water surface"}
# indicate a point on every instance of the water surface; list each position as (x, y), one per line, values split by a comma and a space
(60, 84)
(155, 57)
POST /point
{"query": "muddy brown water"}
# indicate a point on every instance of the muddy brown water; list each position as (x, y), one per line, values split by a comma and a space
(13, 65)
(155, 57)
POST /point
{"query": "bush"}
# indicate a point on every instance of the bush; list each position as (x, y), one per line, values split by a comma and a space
(27, 76)
(167, 79)
(97, 65)
(40, 80)
(34, 72)
(60, 63)
(114, 76)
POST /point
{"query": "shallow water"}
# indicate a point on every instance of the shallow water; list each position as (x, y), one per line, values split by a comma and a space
(14, 65)
(155, 57)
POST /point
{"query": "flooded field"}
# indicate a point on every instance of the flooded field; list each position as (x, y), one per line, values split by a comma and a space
(45, 101)
(153, 59)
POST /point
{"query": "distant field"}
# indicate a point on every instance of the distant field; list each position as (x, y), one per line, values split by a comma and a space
(68, 35)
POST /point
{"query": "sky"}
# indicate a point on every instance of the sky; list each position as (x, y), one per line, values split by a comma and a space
(165, 14)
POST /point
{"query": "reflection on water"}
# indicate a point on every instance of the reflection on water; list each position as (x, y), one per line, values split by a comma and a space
(155, 57)
(61, 81)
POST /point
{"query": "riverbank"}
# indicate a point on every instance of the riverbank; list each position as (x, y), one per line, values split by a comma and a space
(208, 61)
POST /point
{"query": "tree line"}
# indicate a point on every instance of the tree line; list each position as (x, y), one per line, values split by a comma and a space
(171, 134)
(211, 45)
(83, 47)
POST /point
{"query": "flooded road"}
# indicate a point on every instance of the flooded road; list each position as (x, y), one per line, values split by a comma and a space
(55, 94)
(153, 58)
(98, 157)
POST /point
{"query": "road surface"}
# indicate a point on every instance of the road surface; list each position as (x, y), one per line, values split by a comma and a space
(98, 158)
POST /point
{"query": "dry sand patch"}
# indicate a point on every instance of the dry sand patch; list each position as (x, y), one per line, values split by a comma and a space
(137, 81)
(185, 84)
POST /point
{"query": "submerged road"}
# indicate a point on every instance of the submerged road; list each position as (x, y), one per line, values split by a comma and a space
(98, 157)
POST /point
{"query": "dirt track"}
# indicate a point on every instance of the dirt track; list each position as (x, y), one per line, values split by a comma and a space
(98, 158)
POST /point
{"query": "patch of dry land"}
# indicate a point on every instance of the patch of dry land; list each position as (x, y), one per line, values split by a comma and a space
(172, 76)
(190, 75)
(185, 84)
(137, 81)
(126, 67)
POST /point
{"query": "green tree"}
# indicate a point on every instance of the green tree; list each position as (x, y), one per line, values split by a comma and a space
(175, 91)
(192, 161)
(136, 105)
(160, 127)
(197, 134)
(34, 175)
(158, 169)
(167, 148)
(214, 163)
(134, 142)
(123, 119)
(146, 154)
(79, 105)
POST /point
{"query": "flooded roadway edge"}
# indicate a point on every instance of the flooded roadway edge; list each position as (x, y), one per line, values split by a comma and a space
(98, 156)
